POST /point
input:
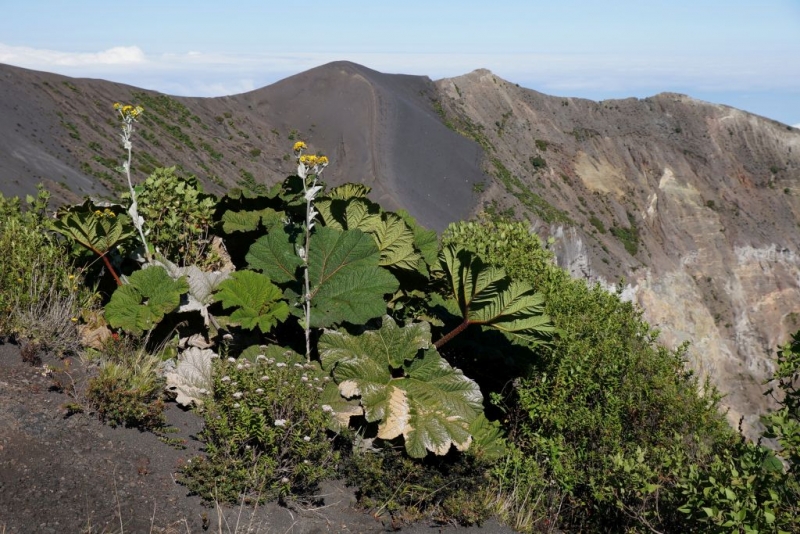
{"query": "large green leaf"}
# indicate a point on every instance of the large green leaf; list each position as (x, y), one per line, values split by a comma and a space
(346, 282)
(391, 345)
(426, 241)
(248, 221)
(404, 385)
(348, 191)
(349, 214)
(140, 304)
(395, 240)
(256, 298)
(487, 438)
(99, 230)
(275, 256)
(486, 296)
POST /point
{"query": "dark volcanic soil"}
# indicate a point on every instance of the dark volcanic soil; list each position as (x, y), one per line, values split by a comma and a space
(73, 474)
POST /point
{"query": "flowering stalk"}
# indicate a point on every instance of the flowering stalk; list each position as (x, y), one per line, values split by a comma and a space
(128, 114)
(308, 169)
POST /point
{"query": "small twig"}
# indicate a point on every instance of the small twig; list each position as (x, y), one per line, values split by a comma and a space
(558, 512)
(116, 497)
(153, 517)
(294, 521)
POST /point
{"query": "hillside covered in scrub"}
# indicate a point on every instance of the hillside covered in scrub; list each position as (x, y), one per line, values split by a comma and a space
(323, 331)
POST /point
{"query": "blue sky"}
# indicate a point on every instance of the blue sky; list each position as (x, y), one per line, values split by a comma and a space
(741, 53)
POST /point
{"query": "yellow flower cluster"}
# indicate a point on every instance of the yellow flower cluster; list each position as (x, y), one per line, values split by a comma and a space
(298, 146)
(105, 213)
(311, 161)
(126, 110)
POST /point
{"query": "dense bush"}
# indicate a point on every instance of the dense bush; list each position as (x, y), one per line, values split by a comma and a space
(42, 293)
(454, 488)
(265, 432)
(178, 216)
(603, 388)
(128, 389)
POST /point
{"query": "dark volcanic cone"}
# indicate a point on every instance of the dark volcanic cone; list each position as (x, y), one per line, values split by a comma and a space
(380, 130)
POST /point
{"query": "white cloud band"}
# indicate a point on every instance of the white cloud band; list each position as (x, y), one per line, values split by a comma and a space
(24, 56)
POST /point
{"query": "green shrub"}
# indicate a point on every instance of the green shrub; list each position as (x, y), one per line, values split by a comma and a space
(602, 388)
(178, 215)
(265, 433)
(742, 489)
(449, 489)
(784, 423)
(629, 237)
(35, 274)
(538, 162)
(128, 389)
(597, 223)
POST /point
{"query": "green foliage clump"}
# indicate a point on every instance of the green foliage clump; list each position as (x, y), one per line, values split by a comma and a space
(265, 432)
(139, 305)
(178, 215)
(449, 489)
(538, 162)
(628, 236)
(743, 488)
(784, 423)
(522, 254)
(128, 388)
(41, 291)
(591, 394)
(598, 224)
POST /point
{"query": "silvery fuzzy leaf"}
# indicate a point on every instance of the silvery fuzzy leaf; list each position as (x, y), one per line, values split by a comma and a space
(191, 378)
(202, 285)
(311, 192)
